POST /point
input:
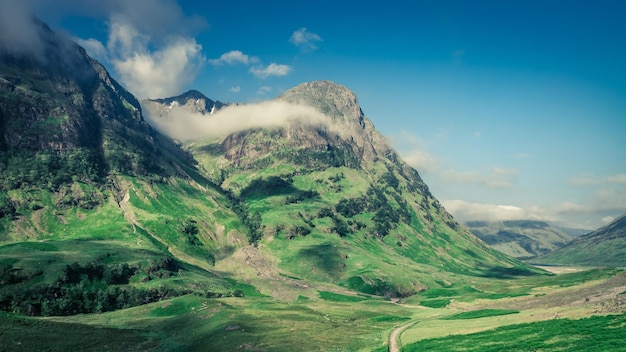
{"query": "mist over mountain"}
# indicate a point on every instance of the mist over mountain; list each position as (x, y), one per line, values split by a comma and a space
(192, 116)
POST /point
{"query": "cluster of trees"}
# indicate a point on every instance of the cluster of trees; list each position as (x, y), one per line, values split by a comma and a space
(302, 196)
(190, 230)
(386, 216)
(80, 289)
(29, 170)
(252, 220)
(47, 169)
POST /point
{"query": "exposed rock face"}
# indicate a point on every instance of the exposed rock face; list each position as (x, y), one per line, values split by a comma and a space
(348, 121)
(192, 101)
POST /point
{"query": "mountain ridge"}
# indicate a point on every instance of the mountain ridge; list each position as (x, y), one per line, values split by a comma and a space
(605, 246)
(522, 239)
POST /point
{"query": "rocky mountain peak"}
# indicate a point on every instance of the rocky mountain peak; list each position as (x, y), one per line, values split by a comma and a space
(332, 99)
(192, 100)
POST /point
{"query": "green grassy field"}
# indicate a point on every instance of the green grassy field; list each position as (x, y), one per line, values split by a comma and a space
(598, 333)
(332, 321)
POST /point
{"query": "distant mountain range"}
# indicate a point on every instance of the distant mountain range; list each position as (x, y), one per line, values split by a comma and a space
(522, 239)
(605, 246)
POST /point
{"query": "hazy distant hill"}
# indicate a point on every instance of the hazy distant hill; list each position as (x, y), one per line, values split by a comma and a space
(521, 239)
(605, 246)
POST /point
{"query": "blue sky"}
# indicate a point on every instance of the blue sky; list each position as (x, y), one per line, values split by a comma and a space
(508, 109)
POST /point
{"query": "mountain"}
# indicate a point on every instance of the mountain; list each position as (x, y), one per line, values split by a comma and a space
(605, 246)
(522, 239)
(91, 196)
(192, 101)
(335, 203)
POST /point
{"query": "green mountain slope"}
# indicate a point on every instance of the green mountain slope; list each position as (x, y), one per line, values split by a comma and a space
(605, 246)
(522, 239)
(86, 182)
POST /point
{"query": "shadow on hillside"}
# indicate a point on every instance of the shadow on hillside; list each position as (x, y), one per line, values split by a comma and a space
(325, 257)
(506, 273)
(270, 186)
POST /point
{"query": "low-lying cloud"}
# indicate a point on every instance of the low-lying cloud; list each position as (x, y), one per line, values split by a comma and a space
(464, 211)
(185, 125)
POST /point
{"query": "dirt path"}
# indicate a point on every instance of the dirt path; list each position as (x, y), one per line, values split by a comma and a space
(395, 337)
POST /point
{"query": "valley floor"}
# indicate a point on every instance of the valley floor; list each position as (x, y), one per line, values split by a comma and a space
(592, 300)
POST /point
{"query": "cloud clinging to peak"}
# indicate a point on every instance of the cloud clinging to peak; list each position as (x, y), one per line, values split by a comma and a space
(304, 39)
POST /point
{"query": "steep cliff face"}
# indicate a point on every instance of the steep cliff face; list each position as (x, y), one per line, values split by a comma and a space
(348, 122)
(65, 101)
(78, 161)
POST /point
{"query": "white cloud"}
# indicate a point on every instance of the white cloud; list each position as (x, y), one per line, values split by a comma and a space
(608, 219)
(234, 57)
(592, 179)
(272, 69)
(414, 152)
(467, 211)
(496, 178)
(185, 125)
(94, 48)
(619, 178)
(264, 90)
(154, 74)
(305, 39)
(149, 62)
(235, 89)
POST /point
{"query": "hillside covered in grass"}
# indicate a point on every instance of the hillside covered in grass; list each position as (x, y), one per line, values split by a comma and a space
(605, 246)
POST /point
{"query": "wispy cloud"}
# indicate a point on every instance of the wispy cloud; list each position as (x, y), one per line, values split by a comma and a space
(264, 90)
(234, 57)
(592, 179)
(467, 211)
(272, 69)
(413, 151)
(495, 178)
(304, 39)
(235, 89)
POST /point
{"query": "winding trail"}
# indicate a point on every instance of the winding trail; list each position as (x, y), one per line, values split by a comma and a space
(395, 336)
